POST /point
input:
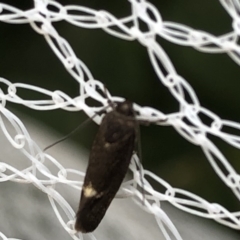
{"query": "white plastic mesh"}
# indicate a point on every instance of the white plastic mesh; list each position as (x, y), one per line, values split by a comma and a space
(186, 120)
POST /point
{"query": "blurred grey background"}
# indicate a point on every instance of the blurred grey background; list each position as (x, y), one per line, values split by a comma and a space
(26, 212)
(125, 69)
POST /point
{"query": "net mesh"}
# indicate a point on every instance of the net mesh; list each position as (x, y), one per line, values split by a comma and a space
(187, 120)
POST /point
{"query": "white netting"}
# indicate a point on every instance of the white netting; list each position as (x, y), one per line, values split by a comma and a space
(186, 121)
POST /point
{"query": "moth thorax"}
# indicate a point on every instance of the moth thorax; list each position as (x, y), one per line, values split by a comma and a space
(125, 108)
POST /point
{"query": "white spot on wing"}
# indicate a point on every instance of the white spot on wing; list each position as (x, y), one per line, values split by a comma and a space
(107, 145)
(89, 191)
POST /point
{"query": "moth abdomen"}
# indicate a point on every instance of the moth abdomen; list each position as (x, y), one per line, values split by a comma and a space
(109, 159)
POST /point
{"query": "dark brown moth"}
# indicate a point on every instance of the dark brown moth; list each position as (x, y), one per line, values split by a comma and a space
(109, 159)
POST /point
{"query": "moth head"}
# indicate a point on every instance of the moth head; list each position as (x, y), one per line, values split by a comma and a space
(125, 108)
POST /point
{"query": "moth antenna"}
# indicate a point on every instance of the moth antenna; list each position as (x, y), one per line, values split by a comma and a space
(69, 134)
(75, 130)
(110, 102)
(139, 150)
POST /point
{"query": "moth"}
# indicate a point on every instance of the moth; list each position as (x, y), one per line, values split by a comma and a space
(109, 160)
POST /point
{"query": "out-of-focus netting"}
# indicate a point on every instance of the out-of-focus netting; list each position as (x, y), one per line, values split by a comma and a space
(186, 120)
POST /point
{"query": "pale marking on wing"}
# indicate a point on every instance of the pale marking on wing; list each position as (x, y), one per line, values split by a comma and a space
(89, 191)
(107, 145)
